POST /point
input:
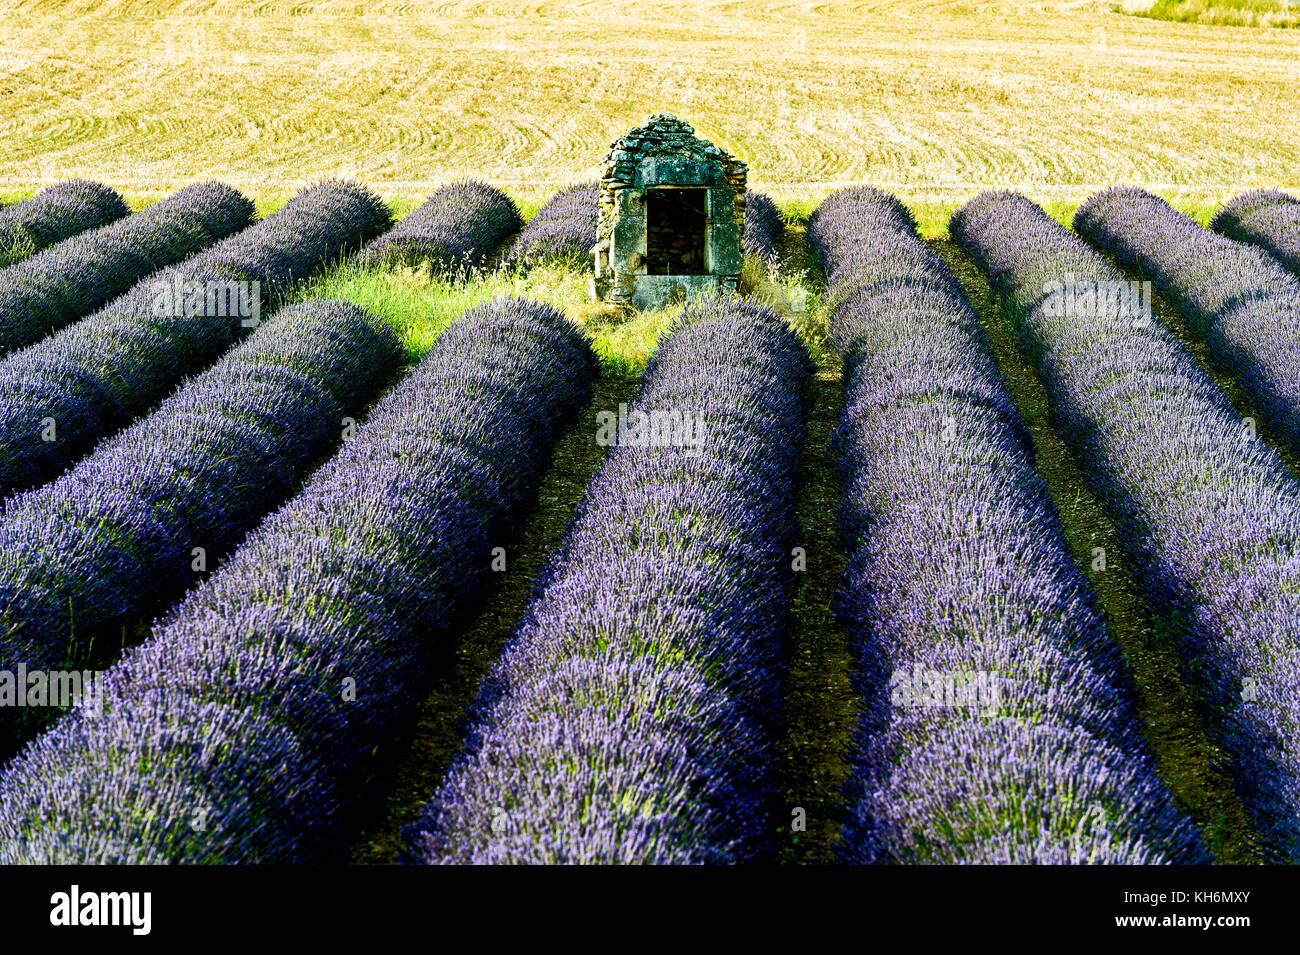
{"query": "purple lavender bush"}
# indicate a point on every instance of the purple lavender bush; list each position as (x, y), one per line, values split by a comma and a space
(563, 231)
(1237, 297)
(115, 537)
(43, 293)
(763, 228)
(631, 717)
(1268, 218)
(959, 578)
(1212, 512)
(63, 394)
(55, 214)
(456, 230)
(246, 729)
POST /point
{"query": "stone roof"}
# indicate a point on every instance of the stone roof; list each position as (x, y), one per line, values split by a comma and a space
(661, 135)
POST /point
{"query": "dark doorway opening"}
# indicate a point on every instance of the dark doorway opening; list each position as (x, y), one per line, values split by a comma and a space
(676, 223)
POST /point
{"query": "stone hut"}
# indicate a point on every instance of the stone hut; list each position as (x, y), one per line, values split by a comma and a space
(672, 216)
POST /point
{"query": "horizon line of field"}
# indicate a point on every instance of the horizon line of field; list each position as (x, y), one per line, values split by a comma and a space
(1191, 198)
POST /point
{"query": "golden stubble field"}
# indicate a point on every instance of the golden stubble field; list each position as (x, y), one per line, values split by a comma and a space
(932, 100)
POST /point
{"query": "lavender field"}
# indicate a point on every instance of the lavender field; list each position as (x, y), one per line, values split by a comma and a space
(357, 532)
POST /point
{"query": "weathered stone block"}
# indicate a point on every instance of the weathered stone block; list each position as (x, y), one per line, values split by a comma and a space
(657, 291)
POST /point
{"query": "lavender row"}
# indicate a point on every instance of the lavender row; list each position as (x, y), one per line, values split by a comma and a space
(764, 227)
(62, 395)
(64, 282)
(631, 717)
(1213, 514)
(134, 524)
(55, 214)
(1237, 297)
(563, 231)
(245, 729)
(959, 577)
(456, 230)
(1268, 218)
(852, 257)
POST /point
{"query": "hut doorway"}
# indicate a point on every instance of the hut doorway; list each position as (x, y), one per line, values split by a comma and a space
(677, 226)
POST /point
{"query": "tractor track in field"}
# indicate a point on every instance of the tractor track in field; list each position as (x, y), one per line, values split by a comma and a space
(821, 706)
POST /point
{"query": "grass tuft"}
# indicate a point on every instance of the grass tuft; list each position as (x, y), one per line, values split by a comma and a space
(1222, 13)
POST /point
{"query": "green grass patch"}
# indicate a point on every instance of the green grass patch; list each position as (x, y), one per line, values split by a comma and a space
(528, 206)
(624, 345)
(1222, 13)
(932, 217)
(11, 252)
(418, 305)
(796, 211)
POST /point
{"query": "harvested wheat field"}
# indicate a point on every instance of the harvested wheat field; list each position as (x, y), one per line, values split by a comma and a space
(928, 99)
